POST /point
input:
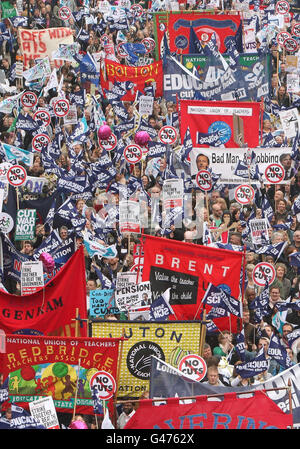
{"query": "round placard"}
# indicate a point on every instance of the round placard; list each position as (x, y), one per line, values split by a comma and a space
(64, 13)
(61, 107)
(40, 141)
(193, 366)
(133, 153)
(244, 194)
(43, 116)
(16, 175)
(167, 134)
(110, 143)
(290, 45)
(274, 173)
(103, 385)
(282, 36)
(29, 99)
(282, 7)
(203, 180)
(263, 273)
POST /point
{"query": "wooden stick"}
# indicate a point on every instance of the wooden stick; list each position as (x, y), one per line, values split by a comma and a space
(118, 374)
(208, 395)
(290, 399)
(76, 391)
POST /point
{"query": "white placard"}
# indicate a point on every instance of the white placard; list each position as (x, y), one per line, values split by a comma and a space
(43, 411)
(133, 295)
(32, 277)
(146, 105)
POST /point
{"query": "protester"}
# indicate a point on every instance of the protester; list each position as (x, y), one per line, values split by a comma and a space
(85, 192)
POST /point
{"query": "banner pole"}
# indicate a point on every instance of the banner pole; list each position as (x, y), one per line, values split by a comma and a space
(118, 376)
(290, 398)
(76, 391)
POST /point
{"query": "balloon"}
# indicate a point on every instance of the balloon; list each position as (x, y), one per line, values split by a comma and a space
(104, 132)
(48, 262)
(60, 369)
(78, 425)
(141, 138)
(27, 373)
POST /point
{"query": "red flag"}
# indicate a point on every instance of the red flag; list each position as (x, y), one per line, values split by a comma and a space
(188, 269)
(257, 412)
(52, 309)
(217, 117)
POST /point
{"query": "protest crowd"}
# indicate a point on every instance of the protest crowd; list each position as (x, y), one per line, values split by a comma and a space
(142, 136)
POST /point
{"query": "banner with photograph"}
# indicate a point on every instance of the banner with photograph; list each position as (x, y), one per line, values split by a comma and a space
(224, 161)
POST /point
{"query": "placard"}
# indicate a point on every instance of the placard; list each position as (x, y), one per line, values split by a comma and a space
(25, 224)
(129, 216)
(32, 277)
(16, 175)
(43, 411)
(102, 302)
(263, 273)
(132, 295)
(173, 191)
(146, 105)
(259, 231)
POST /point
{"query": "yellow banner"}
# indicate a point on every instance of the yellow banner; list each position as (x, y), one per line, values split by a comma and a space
(169, 341)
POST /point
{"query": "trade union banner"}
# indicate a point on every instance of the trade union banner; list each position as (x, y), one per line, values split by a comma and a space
(141, 76)
(167, 382)
(52, 309)
(178, 24)
(167, 341)
(40, 366)
(233, 412)
(217, 117)
(37, 44)
(188, 269)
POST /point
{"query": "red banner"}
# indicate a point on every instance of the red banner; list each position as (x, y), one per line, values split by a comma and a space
(256, 412)
(57, 366)
(179, 23)
(217, 117)
(52, 309)
(140, 76)
(188, 269)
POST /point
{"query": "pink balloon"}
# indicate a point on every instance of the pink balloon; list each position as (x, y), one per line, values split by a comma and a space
(78, 425)
(104, 132)
(141, 138)
(48, 262)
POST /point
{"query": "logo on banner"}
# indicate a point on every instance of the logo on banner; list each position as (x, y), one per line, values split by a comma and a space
(181, 42)
(16, 175)
(223, 130)
(194, 366)
(167, 134)
(263, 273)
(244, 194)
(103, 385)
(133, 153)
(29, 99)
(274, 173)
(203, 180)
(139, 358)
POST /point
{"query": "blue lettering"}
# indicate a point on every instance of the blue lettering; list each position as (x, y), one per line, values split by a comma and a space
(38, 187)
(217, 421)
(192, 423)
